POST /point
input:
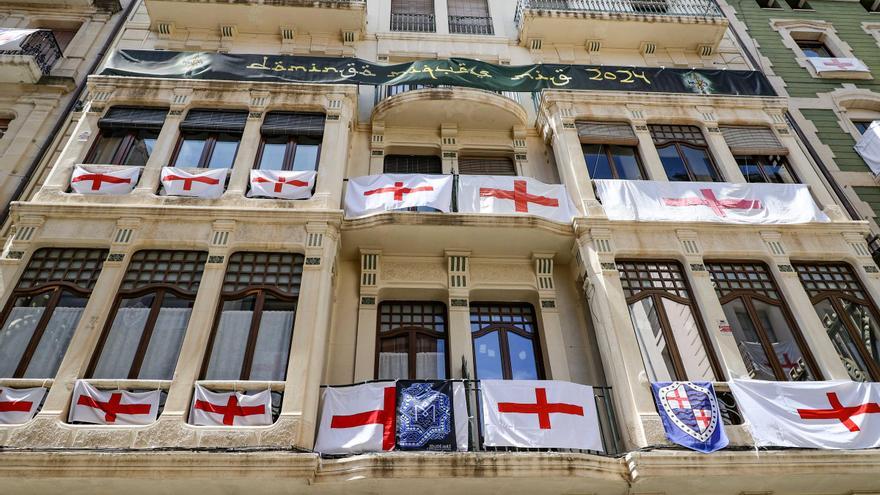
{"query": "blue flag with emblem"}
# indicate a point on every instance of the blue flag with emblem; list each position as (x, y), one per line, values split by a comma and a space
(690, 415)
(425, 416)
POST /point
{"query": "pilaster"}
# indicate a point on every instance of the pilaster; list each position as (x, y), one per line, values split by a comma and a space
(555, 355)
(334, 150)
(461, 349)
(449, 147)
(165, 143)
(718, 148)
(368, 303)
(247, 150)
(570, 162)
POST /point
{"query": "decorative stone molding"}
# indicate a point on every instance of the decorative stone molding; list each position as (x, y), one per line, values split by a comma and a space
(815, 30)
(370, 269)
(116, 257)
(457, 270)
(216, 260)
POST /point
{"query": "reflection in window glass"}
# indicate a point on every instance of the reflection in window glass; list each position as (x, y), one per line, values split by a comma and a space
(487, 353)
(190, 153)
(504, 338)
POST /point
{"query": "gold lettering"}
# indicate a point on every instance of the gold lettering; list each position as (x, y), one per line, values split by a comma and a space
(259, 66)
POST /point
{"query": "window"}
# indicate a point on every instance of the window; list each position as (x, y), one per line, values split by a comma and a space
(814, 49)
(127, 136)
(252, 335)
(505, 341)
(291, 141)
(44, 310)
(469, 17)
(861, 125)
(411, 341)
(759, 154)
(684, 153)
(209, 139)
(4, 126)
(486, 166)
(799, 4)
(669, 331)
(766, 334)
(413, 15)
(610, 150)
(758, 169)
(413, 164)
(848, 314)
(149, 317)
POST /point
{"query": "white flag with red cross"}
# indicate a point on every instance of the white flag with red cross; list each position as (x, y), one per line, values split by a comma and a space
(514, 195)
(116, 407)
(719, 202)
(19, 405)
(359, 418)
(823, 415)
(104, 180)
(282, 184)
(378, 193)
(838, 64)
(207, 184)
(230, 408)
(540, 414)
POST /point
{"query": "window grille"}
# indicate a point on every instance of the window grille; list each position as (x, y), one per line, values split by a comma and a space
(79, 267)
(282, 271)
(183, 269)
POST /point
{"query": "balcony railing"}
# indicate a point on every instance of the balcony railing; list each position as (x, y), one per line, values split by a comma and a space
(42, 46)
(462, 24)
(413, 23)
(672, 8)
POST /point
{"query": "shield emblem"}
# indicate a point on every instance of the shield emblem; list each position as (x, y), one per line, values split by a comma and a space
(691, 408)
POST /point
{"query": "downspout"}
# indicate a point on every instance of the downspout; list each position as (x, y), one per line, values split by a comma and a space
(826, 173)
(68, 109)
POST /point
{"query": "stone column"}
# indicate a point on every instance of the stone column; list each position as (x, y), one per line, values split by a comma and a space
(724, 159)
(365, 354)
(449, 148)
(441, 16)
(334, 151)
(302, 390)
(461, 347)
(555, 355)
(246, 155)
(571, 165)
(648, 153)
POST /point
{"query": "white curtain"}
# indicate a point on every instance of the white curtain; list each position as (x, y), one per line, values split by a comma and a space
(53, 343)
(429, 365)
(14, 338)
(122, 343)
(393, 365)
(164, 347)
(229, 345)
(273, 346)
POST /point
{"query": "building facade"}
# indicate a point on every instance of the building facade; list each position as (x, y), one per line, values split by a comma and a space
(149, 291)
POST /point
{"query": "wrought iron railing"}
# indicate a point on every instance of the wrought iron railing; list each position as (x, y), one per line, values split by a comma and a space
(677, 8)
(608, 428)
(413, 23)
(462, 24)
(42, 46)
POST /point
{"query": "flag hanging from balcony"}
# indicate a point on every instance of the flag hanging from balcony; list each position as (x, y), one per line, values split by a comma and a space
(11, 39)
(539, 414)
(230, 408)
(868, 147)
(378, 193)
(104, 180)
(832, 64)
(823, 415)
(282, 184)
(19, 405)
(207, 184)
(118, 407)
(431, 415)
(357, 419)
(720, 202)
(690, 415)
(514, 196)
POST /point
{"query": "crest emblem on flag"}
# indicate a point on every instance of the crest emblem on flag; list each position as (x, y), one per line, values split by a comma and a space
(690, 414)
(424, 416)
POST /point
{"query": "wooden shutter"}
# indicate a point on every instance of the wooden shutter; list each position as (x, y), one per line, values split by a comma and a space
(486, 166)
(412, 6)
(133, 118)
(290, 123)
(607, 133)
(752, 141)
(411, 164)
(468, 8)
(214, 120)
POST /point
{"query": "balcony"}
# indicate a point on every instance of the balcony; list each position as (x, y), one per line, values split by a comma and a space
(666, 23)
(460, 24)
(35, 57)
(413, 23)
(284, 17)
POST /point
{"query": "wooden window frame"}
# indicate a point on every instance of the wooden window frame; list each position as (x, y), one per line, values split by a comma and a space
(834, 297)
(411, 332)
(763, 163)
(657, 295)
(208, 150)
(687, 165)
(289, 152)
(122, 151)
(609, 156)
(503, 343)
(746, 296)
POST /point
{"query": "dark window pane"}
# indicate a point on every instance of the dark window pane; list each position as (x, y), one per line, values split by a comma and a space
(522, 357)
(597, 161)
(223, 154)
(672, 163)
(700, 164)
(106, 148)
(273, 154)
(306, 157)
(814, 49)
(191, 151)
(487, 354)
(141, 149)
(626, 162)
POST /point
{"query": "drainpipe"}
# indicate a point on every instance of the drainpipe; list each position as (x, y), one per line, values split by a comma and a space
(826, 172)
(68, 109)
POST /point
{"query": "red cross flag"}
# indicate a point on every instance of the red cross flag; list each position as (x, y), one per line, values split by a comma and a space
(286, 184)
(377, 193)
(832, 64)
(719, 202)
(514, 195)
(539, 414)
(104, 180)
(230, 408)
(358, 419)
(18, 406)
(117, 407)
(824, 415)
(207, 184)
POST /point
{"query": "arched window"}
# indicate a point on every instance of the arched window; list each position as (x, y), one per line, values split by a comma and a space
(684, 153)
(148, 320)
(252, 333)
(766, 334)
(411, 341)
(44, 310)
(668, 327)
(505, 337)
(848, 314)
